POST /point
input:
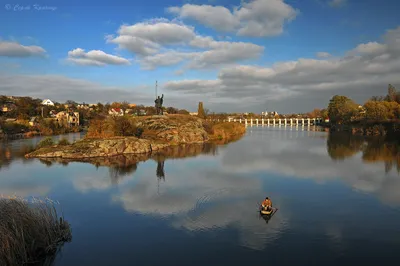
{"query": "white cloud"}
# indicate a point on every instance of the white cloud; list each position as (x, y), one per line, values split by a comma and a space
(95, 58)
(294, 86)
(217, 17)
(219, 54)
(146, 38)
(370, 48)
(164, 59)
(256, 18)
(14, 49)
(337, 3)
(323, 55)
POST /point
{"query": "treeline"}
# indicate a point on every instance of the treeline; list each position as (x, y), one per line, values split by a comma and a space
(343, 110)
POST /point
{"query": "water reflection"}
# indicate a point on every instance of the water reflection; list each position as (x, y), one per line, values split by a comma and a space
(215, 191)
(13, 151)
(374, 150)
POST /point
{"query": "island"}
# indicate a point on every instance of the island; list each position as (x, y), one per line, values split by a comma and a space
(121, 135)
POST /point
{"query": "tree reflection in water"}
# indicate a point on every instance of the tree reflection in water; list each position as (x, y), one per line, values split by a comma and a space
(344, 145)
(122, 166)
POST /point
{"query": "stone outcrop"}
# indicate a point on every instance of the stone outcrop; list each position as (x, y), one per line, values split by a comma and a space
(88, 148)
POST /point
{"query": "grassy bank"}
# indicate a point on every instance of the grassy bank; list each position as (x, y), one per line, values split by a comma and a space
(30, 231)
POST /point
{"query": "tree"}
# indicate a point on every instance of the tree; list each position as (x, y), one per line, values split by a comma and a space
(391, 96)
(200, 111)
(172, 110)
(124, 106)
(376, 110)
(341, 109)
(183, 112)
(71, 102)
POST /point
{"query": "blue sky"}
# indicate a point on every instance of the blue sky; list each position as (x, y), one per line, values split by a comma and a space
(253, 55)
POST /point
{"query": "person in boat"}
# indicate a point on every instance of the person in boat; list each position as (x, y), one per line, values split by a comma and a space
(267, 204)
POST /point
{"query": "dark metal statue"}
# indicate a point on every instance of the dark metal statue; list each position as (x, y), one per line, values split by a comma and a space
(158, 104)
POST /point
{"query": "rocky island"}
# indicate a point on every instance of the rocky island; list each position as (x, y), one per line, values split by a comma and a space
(115, 136)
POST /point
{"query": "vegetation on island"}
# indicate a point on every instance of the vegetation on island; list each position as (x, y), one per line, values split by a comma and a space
(30, 231)
(117, 135)
(380, 115)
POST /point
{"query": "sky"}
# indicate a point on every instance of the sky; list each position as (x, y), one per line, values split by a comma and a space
(287, 56)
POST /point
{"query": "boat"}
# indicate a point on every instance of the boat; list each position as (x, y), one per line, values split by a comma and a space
(265, 212)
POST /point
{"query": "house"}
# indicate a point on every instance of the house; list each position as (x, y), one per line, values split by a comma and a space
(70, 118)
(47, 102)
(132, 105)
(116, 112)
(8, 107)
(194, 113)
(34, 121)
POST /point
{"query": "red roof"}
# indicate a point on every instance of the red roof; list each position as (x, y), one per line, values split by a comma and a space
(117, 109)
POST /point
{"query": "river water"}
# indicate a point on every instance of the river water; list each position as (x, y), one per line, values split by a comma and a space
(338, 199)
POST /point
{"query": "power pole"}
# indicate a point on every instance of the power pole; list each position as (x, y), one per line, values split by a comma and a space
(156, 89)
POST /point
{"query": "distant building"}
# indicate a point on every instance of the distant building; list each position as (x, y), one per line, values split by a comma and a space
(8, 107)
(194, 113)
(33, 121)
(47, 102)
(116, 112)
(70, 118)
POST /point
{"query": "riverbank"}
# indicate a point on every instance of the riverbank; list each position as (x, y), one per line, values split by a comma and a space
(146, 135)
(389, 128)
(32, 134)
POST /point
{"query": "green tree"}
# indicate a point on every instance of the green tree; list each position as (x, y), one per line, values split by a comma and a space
(341, 109)
(200, 111)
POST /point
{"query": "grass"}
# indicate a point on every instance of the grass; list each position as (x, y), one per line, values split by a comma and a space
(63, 142)
(46, 142)
(30, 231)
(225, 130)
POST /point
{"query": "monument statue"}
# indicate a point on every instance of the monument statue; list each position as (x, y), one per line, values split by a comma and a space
(158, 104)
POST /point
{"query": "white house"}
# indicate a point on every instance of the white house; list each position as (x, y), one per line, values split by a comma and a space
(47, 102)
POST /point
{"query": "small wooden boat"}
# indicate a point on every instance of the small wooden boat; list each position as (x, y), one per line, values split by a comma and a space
(265, 212)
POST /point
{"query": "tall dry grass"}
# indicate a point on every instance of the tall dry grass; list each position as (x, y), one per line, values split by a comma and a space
(30, 231)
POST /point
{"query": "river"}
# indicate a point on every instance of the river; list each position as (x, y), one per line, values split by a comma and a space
(338, 200)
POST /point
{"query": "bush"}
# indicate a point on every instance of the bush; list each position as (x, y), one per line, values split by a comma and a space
(63, 142)
(30, 231)
(113, 127)
(46, 142)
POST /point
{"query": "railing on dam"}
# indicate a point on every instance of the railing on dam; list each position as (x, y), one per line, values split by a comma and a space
(275, 121)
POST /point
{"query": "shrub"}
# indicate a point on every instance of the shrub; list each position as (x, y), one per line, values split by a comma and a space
(48, 141)
(113, 127)
(63, 142)
(30, 231)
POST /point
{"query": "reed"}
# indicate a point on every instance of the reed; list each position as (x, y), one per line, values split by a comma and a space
(30, 231)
